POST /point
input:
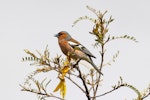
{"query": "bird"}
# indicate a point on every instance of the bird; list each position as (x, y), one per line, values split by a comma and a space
(76, 50)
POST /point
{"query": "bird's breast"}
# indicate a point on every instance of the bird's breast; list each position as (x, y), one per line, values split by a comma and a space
(65, 47)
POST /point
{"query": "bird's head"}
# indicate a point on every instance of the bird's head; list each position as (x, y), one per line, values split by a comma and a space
(63, 35)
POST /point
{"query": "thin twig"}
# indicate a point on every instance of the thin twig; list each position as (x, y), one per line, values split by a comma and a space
(76, 84)
(82, 79)
(40, 93)
(110, 91)
(148, 94)
(84, 84)
(101, 65)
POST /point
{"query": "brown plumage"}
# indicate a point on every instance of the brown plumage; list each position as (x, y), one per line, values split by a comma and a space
(76, 50)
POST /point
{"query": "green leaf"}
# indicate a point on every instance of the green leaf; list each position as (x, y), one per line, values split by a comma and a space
(123, 37)
(84, 18)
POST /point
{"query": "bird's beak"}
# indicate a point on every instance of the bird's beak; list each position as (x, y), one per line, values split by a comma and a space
(56, 35)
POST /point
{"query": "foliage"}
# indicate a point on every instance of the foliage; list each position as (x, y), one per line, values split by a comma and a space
(68, 70)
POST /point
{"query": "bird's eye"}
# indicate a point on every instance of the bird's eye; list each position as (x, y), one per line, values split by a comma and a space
(60, 34)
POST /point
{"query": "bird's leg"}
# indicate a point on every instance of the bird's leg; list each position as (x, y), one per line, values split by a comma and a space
(67, 61)
(69, 56)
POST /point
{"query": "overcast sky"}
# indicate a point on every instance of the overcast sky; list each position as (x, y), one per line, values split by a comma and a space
(31, 24)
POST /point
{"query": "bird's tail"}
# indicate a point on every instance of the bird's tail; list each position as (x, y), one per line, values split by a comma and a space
(95, 67)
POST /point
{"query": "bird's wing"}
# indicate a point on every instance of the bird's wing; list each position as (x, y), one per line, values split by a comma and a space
(86, 51)
(81, 48)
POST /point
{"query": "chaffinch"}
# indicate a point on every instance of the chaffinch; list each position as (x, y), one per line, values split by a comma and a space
(76, 50)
